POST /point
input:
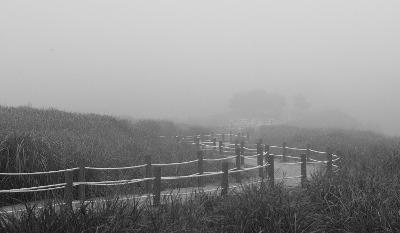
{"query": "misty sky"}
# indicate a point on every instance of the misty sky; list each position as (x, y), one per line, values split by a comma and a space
(184, 58)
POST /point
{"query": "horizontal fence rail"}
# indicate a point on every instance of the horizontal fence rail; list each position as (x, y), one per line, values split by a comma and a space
(236, 152)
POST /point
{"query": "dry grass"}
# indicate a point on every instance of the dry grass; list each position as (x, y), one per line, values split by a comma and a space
(363, 197)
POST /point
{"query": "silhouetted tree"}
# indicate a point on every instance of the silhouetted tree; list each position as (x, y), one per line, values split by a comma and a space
(258, 104)
(301, 103)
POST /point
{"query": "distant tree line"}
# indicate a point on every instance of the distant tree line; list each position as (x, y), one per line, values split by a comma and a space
(260, 104)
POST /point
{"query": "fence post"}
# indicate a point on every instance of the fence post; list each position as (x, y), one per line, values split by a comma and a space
(177, 168)
(303, 170)
(214, 143)
(212, 136)
(82, 187)
(238, 162)
(68, 192)
(220, 147)
(284, 159)
(271, 167)
(230, 137)
(340, 162)
(308, 152)
(329, 163)
(224, 181)
(157, 186)
(223, 137)
(260, 159)
(178, 140)
(200, 167)
(148, 173)
(242, 152)
(198, 144)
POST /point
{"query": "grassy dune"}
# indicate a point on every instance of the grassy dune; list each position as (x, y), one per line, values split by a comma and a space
(363, 197)
(47, 139)
(89, 138)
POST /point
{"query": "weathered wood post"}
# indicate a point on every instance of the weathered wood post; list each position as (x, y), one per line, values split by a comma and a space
(303, 170)
(340, 157)
(157, 186)
(148, 174)
(238, 162)
(230, 137)
(220, 147)
(242, 152)
(308, 152)
(200, 167)
(198, 144)
(178, 141)
(214, 143)
(271, 167)
(284, 150)
(225, 181)
(266, 153)
(177, 168)
(329, 163)
(260, 159)
(82, 187)
(68, 190)
(223, 137)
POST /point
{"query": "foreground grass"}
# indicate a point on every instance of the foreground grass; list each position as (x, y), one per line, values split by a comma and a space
(341, 204)
(256, 209)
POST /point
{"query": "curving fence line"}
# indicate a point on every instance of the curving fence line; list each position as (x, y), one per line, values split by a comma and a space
(262, 155)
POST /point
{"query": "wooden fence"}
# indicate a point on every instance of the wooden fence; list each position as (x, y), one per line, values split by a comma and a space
(233, 151)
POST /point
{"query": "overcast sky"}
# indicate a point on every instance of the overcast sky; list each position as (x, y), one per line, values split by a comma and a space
(183, 58)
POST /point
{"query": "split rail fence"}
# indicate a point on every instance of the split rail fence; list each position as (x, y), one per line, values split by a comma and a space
(229, 153)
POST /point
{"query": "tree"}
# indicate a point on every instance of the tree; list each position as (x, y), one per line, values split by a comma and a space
(258, 104)
(301, 103)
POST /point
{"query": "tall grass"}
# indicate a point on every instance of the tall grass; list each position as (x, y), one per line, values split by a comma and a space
(364, 196)
(324, 206)
(42, 140)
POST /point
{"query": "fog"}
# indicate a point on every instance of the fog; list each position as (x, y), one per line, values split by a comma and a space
(185, 59)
